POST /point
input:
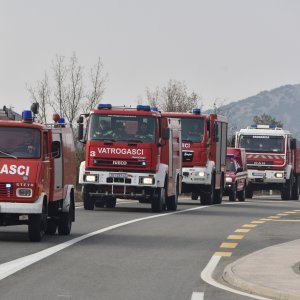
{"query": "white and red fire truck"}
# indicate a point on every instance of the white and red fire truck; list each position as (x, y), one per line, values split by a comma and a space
(131, 153)
(37, 176)
(204, 143)
(273, 160)
(236, 174)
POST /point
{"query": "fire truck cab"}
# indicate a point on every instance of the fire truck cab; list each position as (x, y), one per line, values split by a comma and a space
(37, 176)
(272, 160)
(204, 142)
(131, 153)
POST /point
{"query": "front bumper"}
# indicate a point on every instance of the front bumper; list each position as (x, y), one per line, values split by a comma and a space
(266, 176)
(197, 175)
(22, 208)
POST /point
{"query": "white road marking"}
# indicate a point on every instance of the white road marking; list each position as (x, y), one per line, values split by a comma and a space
(197, 296)
(206, 276)
(11, 267)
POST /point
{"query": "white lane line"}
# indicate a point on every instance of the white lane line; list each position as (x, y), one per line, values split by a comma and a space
(197, 296)
(206, 275)
(11, 267)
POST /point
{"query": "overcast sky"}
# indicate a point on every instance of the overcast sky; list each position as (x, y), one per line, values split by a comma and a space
(221, 49)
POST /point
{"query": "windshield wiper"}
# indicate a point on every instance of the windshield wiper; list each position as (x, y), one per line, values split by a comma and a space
(8, 154)
(131, 141)
(189, 141)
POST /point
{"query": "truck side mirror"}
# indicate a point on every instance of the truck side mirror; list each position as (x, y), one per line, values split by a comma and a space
(215, 132)
(239, 169)
(293, 144)
(165, 133)
(55, 149)
(80, 132)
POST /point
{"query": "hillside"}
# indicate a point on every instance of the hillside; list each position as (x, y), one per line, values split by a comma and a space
(282, 103)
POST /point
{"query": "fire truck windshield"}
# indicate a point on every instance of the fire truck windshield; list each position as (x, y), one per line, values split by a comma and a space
(128, 128)
(262, 143)
(192, 129)
(19, 142)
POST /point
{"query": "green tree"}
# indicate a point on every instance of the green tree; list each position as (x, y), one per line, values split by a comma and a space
(266, 119)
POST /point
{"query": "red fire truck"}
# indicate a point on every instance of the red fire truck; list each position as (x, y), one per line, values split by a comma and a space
(236, 174)
(273, 160)
(131, 153)
(37, 176)
(204, 142)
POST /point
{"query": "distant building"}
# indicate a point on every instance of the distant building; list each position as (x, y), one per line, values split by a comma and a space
(8, 114)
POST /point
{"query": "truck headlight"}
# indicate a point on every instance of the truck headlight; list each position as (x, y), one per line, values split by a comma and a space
(91, 178)
(200, 174)
(24, 192)
(279, 175)
(147, 180)
(228, 179)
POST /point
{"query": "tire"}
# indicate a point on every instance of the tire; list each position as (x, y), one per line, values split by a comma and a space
(158, 199)
(207, 198)
(36, 227)
(51, 226)
(194, 196)
(171, 202)
(286, 192)
(232, 194)
(249, 192)
(111, 202)
(88, 201)
(218, 194)
(242, 195)
(295, 192)
(66, 219)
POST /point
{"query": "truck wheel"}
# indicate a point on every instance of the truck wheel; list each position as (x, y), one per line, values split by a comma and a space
(249, 192)
(286, 192)
(295, 193)
(36, 227)
(111, 202)
(207, 198)
(242, 195)
(88, 201)
(65, 220)
(218, 194)
(232, 194)
(172, 201)
(194, 196)
(158, 200)
(51, 226)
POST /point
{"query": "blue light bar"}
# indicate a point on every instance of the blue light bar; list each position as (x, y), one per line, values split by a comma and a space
(27, 115)
(143, 107)
(61, 121)
(273, 126)
(253, 126)
(197, 111)
(8, 185)
(154, 108)
(104, 106)
(230, 155)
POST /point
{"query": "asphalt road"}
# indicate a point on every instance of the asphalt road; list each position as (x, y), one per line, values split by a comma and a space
(132, 253)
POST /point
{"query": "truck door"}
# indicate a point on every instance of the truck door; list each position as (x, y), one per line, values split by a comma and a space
(58, 165)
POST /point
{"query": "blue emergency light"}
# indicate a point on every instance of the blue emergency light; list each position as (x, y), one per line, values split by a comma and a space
(104, 106)
(230, 155)
(197, 111)
(61, 121)
(154, 108)
(27, 115)
(143, 107)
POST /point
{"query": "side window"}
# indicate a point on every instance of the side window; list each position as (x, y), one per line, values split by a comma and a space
(45, 146)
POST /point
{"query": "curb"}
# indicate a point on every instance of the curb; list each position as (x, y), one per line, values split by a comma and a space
(230, 277)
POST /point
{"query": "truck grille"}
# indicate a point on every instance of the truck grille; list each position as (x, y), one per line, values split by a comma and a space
(109, 162)
(6, 192)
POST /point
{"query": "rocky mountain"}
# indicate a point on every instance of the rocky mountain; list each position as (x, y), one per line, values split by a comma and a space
(282, 103)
